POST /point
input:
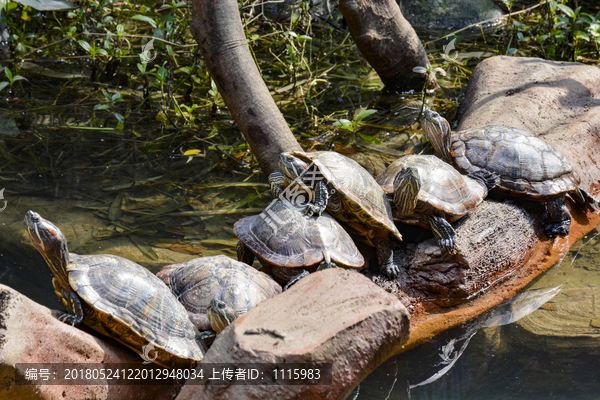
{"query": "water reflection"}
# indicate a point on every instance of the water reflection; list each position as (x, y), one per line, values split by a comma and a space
(542, 344)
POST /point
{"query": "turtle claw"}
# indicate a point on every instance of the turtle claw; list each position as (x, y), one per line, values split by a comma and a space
(326, 265)
(70, 319)
(448, 245)
(311, 210)
(390, 269)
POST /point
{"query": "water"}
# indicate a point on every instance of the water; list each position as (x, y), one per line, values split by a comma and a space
(550, 353)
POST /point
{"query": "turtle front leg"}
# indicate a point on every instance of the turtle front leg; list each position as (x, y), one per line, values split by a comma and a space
(277, 182)
(244, 254)
(74, 314)
(295, 279)
(560, 219)
(444, 233)
(385, 255)
(321, 198)
(487, 179)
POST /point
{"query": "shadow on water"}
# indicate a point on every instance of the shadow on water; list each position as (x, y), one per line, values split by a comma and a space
(29, 274)
(514, 351)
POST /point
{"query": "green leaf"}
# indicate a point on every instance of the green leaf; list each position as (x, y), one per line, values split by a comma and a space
(18, 78)
(420, 70)
(119, 117)
(371, 139)
(102, 52)
(581, 35)
(86, 46)
(46, 5)
(8, 74)
(364, 114)
(145, 19)
(511, 51)
(342, 123)
(566, 9)
(3, 85)
(101, 107)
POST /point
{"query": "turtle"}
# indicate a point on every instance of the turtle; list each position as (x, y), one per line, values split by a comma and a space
(329, 180)
(429, 192)
(526, 165)
(216, 290)
(290, 243)
(117, 298)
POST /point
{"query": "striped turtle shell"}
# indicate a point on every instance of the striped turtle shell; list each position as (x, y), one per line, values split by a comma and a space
(443, 188)
(525, 164)
(198, 281)
(125, 301)
(282, 235)
(364, 206)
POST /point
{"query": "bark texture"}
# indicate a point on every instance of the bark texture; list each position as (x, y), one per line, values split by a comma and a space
(388, 42)
(217, 27)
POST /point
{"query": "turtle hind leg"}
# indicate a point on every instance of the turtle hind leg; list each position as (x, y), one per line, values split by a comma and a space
(486, 178)
(385, 255)
(560, 219)
(244, 254)
(585, 200)
(444, 233)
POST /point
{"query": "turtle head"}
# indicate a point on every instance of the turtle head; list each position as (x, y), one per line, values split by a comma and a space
(50, 242)
(438, 133)
(406, 190)
(220, 315)
(291, 166)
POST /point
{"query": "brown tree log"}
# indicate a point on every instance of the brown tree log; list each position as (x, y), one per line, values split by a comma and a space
(388, 42)
(217, 27)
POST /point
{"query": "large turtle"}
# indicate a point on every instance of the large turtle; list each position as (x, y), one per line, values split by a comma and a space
(117, 298)
(216, 290)
(527, 166)
(289, 242)
(429, 192)
(348, 192)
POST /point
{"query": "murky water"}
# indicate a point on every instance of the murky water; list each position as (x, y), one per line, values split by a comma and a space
(549, 352)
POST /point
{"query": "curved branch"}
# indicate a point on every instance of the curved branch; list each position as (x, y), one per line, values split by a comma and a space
(388, 42)
(217, 27)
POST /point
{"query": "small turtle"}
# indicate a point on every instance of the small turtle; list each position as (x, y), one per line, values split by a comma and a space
(290, 242)
(431, 193)
(348, 192)
(216, 290)
(527, 166)
(117, 298)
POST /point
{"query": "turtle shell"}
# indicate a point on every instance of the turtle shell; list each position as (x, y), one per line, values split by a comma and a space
(443, 188)
(364, 204)
(525, 164)
(282, 235)
(198, 281)
(125, 301)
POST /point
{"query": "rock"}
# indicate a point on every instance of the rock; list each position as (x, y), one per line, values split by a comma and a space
(508, 91)
(334, 315)
(31, 333)
(437, 16)
(492, 239)
(556, 101)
